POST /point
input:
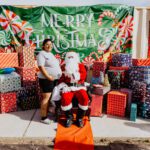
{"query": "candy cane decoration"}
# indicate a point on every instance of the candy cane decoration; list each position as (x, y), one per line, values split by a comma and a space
(105, 13)
(88, 61)
(10, 21)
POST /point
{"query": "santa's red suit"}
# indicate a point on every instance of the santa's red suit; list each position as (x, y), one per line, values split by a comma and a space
(72, 85)
(76, 89)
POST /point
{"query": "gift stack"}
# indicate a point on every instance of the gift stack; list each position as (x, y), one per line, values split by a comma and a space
(116, 103)
(27, 97)
(98, 88)
(118, 73)
(9, 82)
(139, 73)
(139, 82)
(121, 60)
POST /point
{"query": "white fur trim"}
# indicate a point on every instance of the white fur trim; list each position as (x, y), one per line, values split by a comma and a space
(74, 88)
(65, 108)
(83, 107)
(76, 76)
(56, 94)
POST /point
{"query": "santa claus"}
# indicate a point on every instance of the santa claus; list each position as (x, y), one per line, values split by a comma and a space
(72, 85)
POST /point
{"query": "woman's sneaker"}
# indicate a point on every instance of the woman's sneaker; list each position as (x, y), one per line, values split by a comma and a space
(46, 121)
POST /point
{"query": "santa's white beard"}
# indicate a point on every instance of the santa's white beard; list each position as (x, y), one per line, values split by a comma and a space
(72, 67)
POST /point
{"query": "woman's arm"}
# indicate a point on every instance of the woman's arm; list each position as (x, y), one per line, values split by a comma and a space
(44, 72)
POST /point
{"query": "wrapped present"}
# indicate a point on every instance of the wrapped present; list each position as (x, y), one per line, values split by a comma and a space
(129, 98)
(27, 92)
(96, 105)
(121, 59)
(116, 103)
(30, 102)
(95, 80)
(97, 67)
(139, 73)
(118, 68)
(125, 75)
(116, 78)
(106, 80)
(133, 113)
(100, 90)
(144, 110)
(10, 82)
(139, 91)
(141, 62)
(8, 60)
(89, 75)
(8, 102)
(28, 76)
(26, 56)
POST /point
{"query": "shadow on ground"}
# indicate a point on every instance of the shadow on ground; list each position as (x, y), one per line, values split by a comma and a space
(112, 146)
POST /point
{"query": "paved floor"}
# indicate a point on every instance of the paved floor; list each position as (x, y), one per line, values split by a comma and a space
(27, 124)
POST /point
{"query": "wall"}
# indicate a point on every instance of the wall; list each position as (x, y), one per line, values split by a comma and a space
(141, 31)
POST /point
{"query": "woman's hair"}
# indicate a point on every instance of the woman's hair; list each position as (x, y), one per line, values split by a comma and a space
(45, 41)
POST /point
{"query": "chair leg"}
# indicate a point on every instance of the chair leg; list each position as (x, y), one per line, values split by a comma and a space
(57, 110)
(89, 114)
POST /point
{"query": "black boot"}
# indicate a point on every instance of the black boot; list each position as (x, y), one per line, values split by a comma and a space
(57, 110)
(80, 115)
(69, 118)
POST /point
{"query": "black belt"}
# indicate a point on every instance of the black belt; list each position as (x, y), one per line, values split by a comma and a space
(75, 84)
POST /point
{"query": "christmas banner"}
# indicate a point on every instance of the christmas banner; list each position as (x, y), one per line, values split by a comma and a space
(92, 31)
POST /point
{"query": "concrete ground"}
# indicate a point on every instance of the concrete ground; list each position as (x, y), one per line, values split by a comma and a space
(26, 124)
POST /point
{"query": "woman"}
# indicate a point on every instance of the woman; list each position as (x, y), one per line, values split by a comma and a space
(50, 71)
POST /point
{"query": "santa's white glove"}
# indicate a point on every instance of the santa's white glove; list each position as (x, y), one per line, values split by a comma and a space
(76, 76)
(66, 89)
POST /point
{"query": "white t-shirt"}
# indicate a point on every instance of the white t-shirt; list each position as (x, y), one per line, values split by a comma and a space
(51, 64)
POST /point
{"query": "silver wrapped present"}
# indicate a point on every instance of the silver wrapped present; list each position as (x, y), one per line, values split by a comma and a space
(10, 82)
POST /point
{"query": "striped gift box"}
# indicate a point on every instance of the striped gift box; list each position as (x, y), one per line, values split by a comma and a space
(10, 82)
(116, 103)
(121, 59)
(141, 62)
(26, 56)
(8, 102)
(8, 60)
